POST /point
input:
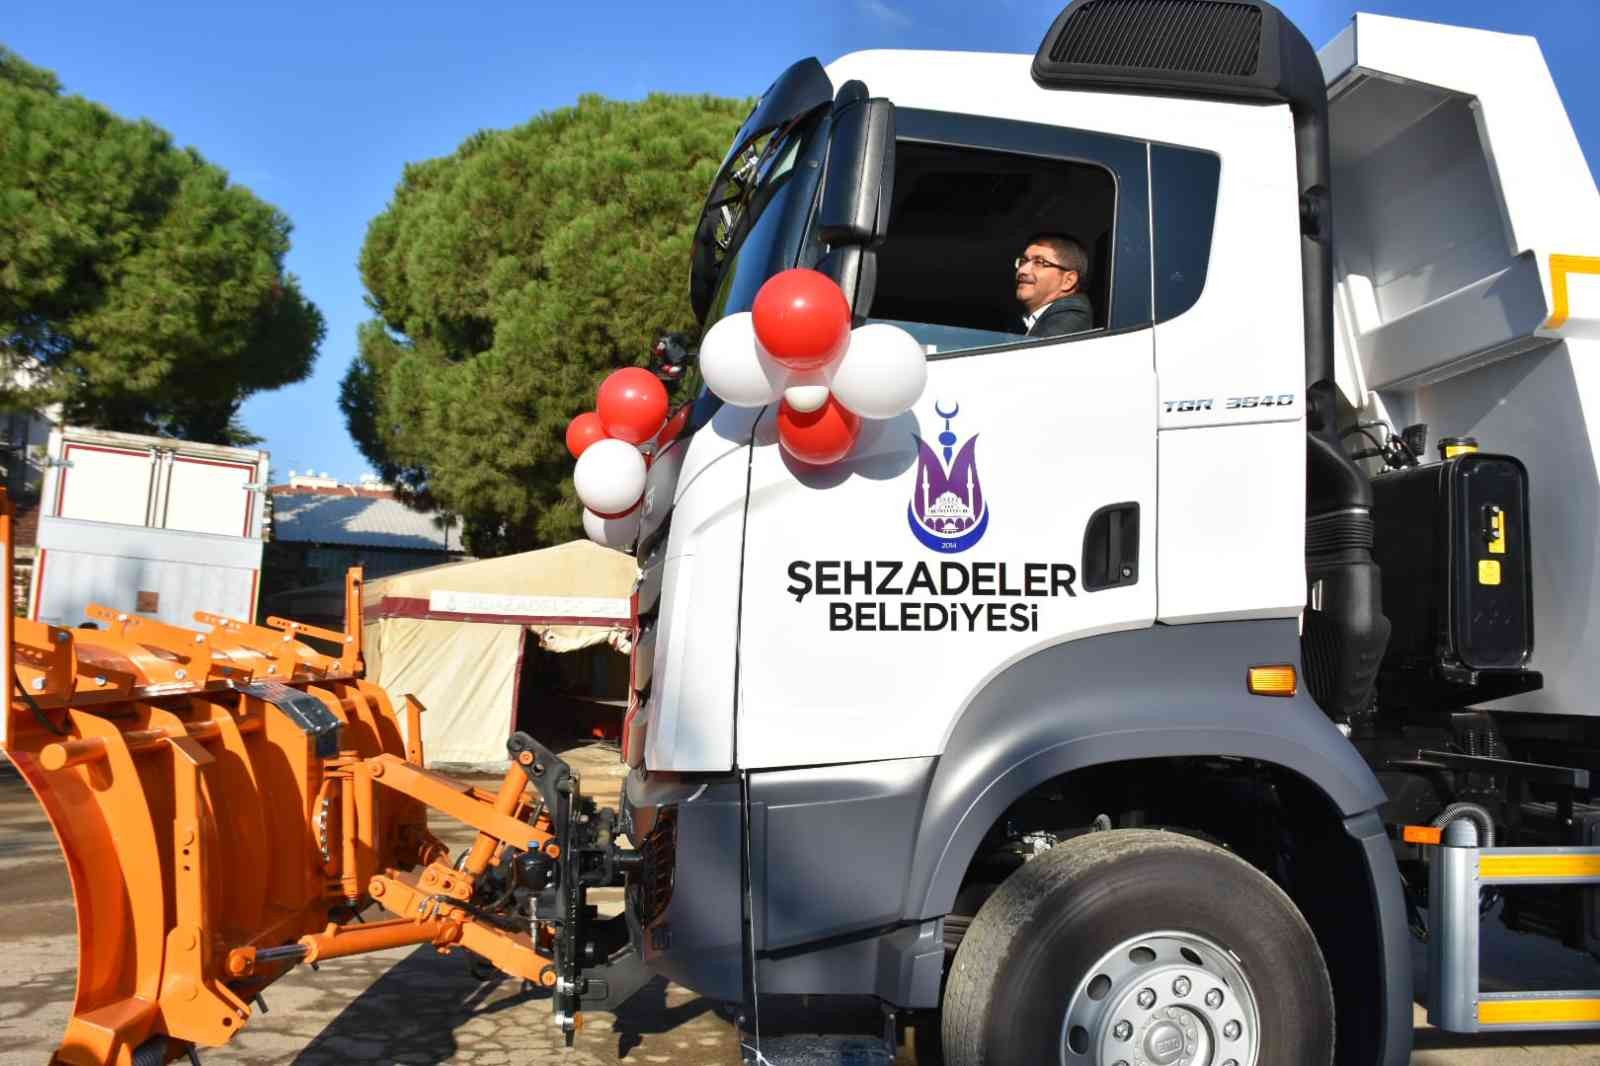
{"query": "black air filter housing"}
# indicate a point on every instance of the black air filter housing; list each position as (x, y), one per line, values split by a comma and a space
(1232, 48)
(1452, 541)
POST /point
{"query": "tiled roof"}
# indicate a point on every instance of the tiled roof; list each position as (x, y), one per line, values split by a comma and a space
(331, 490)
(369, 521)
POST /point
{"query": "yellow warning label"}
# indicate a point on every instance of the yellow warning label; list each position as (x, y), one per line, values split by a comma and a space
(1516, 1012)
(1488, 571)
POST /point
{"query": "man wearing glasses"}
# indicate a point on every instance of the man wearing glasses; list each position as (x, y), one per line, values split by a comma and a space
(1048, 275)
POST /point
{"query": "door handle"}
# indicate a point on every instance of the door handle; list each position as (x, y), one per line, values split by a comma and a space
(1111, 547)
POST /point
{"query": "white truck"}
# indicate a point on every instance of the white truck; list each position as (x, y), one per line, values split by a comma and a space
(1135, 698)
(151, 526)
(1195, 685)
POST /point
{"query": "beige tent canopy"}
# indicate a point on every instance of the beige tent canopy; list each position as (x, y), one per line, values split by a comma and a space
(453, 636)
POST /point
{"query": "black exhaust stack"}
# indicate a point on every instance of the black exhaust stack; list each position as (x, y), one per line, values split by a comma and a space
(1248, 50)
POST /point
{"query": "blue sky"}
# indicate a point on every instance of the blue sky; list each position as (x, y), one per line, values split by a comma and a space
(318, 106)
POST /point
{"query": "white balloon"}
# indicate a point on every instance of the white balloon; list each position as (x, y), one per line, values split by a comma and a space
(882, 372)
(807, 396)
(736, 367)
(610, 476)
(612, 532)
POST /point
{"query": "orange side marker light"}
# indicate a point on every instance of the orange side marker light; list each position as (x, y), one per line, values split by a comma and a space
(1277, 680)
(1426, 835)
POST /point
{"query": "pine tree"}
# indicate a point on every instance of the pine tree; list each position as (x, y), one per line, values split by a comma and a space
(508, 279)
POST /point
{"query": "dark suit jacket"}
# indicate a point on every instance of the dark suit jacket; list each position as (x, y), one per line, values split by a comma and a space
(1070, 314)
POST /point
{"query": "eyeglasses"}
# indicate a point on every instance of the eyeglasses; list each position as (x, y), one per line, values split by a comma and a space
(1018, 262)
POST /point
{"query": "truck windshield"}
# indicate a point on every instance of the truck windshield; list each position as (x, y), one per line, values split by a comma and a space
(766, 236)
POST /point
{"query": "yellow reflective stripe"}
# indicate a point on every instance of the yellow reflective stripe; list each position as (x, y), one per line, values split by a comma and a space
(1537, 1011)
(1560, 267)
(1536, 865)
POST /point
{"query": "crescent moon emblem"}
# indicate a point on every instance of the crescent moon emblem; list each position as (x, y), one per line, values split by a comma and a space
(945, 414)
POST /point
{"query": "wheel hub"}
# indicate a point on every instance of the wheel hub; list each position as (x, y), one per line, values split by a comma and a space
(1166, 1042)
(1163, 999)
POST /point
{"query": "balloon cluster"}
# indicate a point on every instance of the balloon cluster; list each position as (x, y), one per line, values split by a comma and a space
(795, 346)
(630, 411)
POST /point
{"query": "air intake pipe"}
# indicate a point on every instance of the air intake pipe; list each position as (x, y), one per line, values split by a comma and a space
(1248, 50)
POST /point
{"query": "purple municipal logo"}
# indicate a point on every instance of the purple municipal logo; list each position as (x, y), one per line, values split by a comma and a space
(947, 511)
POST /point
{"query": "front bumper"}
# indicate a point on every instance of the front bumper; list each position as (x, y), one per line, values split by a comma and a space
(829, 851)
(685, 901)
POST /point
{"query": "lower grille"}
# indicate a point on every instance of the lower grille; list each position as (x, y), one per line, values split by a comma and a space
(659, 850)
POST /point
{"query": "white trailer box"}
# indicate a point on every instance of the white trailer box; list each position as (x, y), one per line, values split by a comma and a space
(148, 525)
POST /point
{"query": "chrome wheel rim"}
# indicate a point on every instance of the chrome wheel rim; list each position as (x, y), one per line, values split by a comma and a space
(1163, 999)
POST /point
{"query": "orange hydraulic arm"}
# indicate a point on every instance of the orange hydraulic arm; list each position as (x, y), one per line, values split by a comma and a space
(226, 798)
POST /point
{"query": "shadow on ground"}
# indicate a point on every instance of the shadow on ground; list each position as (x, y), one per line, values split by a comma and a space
(430, 1008)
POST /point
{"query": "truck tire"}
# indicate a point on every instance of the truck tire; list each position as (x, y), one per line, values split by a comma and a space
(1138, 946)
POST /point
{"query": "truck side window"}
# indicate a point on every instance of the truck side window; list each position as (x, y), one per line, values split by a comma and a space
(969, 192)
(1183, 193)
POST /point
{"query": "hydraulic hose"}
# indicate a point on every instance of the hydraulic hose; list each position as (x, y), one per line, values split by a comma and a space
(1479, 816)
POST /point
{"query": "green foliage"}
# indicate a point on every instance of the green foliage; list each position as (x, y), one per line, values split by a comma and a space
(508, 280)
(137, 286)
(18, 71)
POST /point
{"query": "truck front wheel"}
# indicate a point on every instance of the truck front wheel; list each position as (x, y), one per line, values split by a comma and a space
(1138, 946)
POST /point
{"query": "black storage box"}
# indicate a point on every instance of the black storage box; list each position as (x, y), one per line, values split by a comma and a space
(1452, 542)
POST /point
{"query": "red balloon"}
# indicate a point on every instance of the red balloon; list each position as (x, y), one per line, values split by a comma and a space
(802, 319)
(584, 431)
(818, 437)
(632, 404)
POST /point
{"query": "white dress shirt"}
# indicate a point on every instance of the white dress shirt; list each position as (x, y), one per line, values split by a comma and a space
(1029, 320)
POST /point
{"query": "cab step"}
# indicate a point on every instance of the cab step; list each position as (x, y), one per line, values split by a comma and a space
(820, 1050)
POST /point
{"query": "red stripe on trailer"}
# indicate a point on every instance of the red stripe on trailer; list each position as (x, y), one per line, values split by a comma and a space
(418, 607)
(38, 584)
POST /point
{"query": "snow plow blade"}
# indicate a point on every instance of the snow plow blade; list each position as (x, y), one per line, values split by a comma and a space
(229, 800)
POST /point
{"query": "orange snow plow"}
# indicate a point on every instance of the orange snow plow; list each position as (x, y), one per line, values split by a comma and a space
(230, 799)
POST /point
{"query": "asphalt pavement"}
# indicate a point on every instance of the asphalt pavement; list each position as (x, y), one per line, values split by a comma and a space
(415, 1006)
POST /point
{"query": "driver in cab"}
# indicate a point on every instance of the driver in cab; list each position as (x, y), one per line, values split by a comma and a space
(1049, 273)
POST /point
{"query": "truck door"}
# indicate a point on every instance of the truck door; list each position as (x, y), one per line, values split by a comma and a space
(1013, 508)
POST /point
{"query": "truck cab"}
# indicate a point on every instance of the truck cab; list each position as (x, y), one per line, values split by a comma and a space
(1032, 604)
(1048, 602)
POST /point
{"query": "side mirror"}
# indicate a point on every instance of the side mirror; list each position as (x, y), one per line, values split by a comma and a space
(857, 193)
(858, 184)
(670, 357)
